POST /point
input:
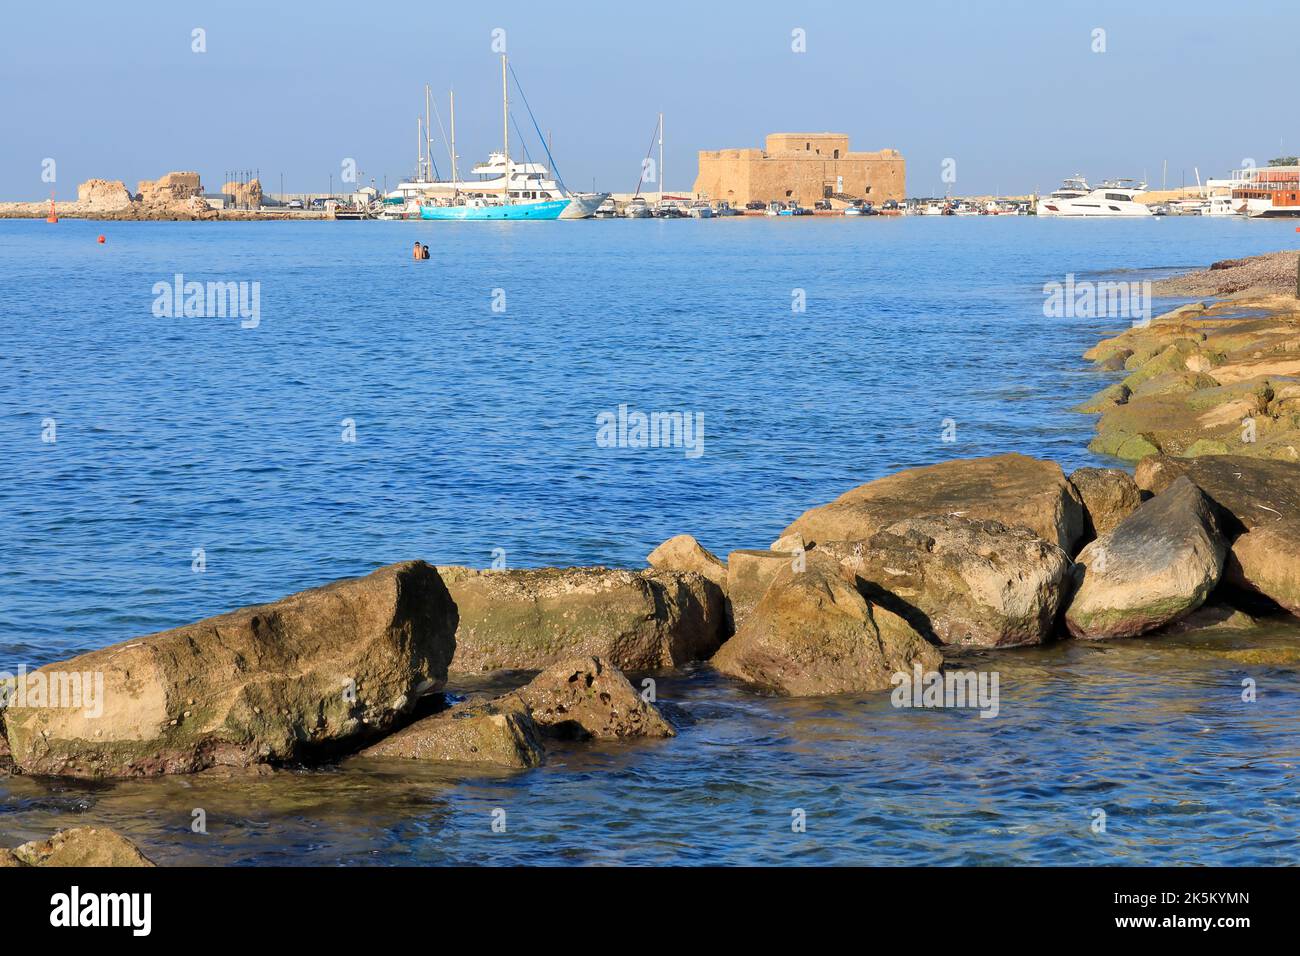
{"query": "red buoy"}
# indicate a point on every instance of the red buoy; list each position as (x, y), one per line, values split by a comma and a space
(101, 240)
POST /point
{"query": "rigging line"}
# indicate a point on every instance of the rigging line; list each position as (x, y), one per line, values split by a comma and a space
(438, 116)
(647, 156)
(528, 160)
(555, 170)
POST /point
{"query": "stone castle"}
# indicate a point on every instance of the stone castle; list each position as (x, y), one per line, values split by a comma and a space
(801, 166)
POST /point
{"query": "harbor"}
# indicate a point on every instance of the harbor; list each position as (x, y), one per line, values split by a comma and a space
(952, 531)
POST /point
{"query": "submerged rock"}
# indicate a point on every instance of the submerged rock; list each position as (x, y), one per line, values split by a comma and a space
(813, 633)
(529, 619)
(1109, 496)
(963, 581)
(1214, 617)
(499, 732)
(308, 676)
(1156, 566)
(586, 697)
(77, 847)
(684, 553)
(1014, 489)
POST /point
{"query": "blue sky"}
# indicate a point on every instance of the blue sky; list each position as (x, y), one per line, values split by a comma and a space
(1011, 90)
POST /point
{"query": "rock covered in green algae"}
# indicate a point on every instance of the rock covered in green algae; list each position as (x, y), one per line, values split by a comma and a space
(814, 633)
(309, 675)
(1109, 496)
(962, 581)
(586, 697)
(1156, 566)
(499, 733)
(1205, 381)
(529, 619)
(77, 847)
(1014, 489)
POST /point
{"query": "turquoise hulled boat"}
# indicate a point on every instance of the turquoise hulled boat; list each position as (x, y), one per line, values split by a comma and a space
(506, 189)
(479, 209)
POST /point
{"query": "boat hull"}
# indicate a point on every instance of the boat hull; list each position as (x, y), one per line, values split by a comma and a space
(583, 205)
(547, 209)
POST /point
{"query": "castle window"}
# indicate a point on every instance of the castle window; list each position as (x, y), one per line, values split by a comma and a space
(807, 146)
(837, 154)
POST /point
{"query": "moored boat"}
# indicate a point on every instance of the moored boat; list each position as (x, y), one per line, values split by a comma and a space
(1113, 198)
(505, 189)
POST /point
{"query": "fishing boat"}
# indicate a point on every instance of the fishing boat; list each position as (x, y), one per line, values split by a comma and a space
(505, 189)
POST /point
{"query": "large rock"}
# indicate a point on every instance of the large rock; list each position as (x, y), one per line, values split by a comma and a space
(684, 553)
(748, 575)
(499, 733)
(962, 580)
(1109, 496)
(1013, 489)
(585, 697)
(170, 189)
(103, 195)
(77, 847)
(309, 676)
(814, 633)
(1267, 561)
(1157, 566)
(529, 619)
(1262, 501)
(1256, 492)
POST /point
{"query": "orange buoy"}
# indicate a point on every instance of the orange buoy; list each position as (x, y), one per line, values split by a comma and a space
(53, 216)
(101, 240)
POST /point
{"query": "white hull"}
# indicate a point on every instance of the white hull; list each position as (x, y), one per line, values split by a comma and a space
(1092, 207)
(583, 205)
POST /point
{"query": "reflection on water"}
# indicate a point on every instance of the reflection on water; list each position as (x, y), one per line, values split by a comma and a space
(1152, 731)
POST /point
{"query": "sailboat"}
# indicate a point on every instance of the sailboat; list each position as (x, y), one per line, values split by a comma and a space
(512, 191)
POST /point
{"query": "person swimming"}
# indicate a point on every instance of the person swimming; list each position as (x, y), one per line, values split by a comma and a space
(424, 252)
(416, 252)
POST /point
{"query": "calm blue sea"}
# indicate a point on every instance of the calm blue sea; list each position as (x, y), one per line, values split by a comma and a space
(472, 384)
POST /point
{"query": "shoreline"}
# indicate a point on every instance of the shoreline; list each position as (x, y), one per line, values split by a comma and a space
(895, 556)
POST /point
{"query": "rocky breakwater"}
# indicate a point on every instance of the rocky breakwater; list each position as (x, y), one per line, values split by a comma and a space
(172, 197)
(996, 552)
(1207, 378)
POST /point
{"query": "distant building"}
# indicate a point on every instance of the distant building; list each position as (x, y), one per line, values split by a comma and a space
(801, 166)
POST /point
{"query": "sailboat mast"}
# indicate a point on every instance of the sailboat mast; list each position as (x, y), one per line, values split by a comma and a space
(419, 150)
(428, 132)
(661, 157)
(505, 124)
(455, 179)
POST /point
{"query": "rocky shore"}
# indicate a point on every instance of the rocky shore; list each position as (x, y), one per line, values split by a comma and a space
(997, 552)
(174, 197)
